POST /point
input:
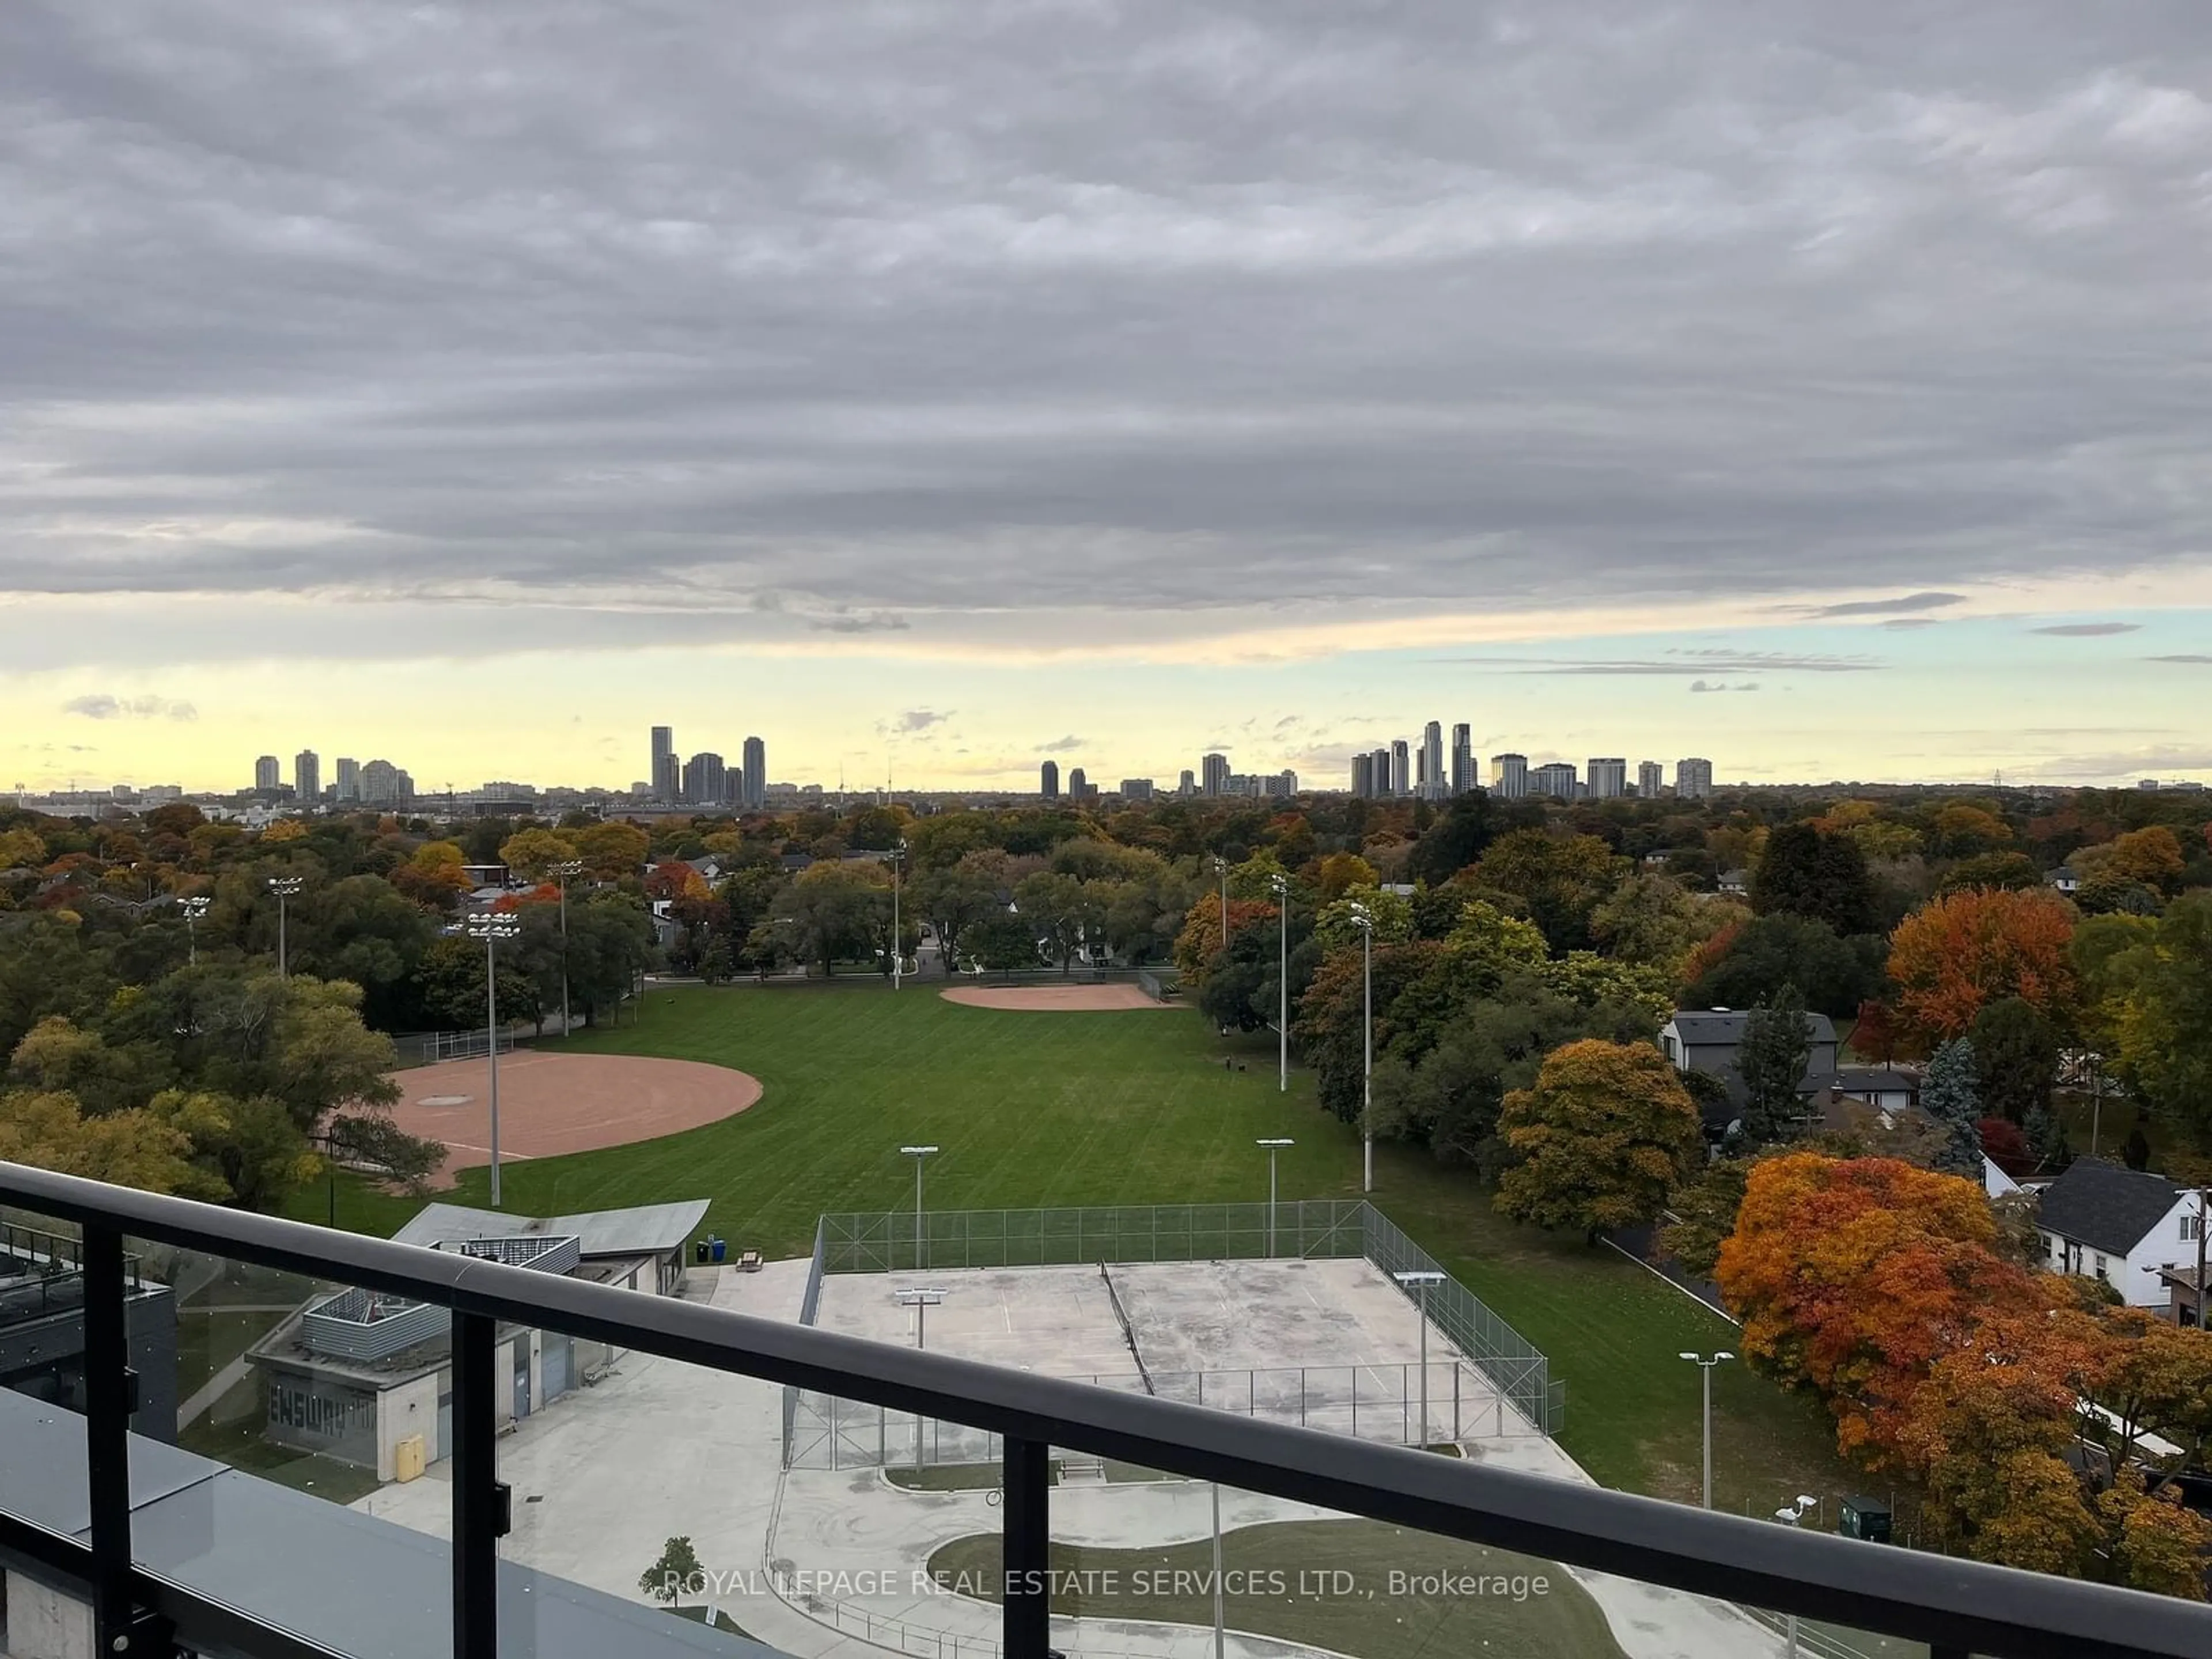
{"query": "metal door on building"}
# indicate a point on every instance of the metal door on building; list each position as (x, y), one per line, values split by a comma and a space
(521, 1381)
(556, 1366)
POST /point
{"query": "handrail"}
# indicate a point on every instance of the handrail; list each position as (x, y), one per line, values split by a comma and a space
(1954, 1606)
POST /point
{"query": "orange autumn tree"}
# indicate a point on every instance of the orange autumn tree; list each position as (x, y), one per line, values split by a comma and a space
(1853, 1276)
(1200, 939)
(1958, 953)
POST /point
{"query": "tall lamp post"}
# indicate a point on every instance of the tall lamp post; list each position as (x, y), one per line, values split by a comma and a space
(1364, 920)
(286, 887)
(491, 927)
(921, 1301)
(194, 908)
(898, 859)
(1280, 887)
(1793, 1515)
(1705, 1369)
(920, 1155)
(1221, 869)
(1420, 1281)
(568, 870)
(1273, 1145)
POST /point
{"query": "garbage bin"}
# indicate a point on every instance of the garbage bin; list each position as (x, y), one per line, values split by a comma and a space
(701, 1247)
(715, 1245)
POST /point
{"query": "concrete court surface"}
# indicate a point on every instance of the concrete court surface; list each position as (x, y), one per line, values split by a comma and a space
(660, 1449)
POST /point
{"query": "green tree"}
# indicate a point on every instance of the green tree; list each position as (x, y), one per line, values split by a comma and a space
(1806, 874)
(1063, 911)
(1601, 1139)
(1560, 879)
(1455, 840)
(670, 1578)
(1704, 1208)
(2156, 1002)
(1835, 975)
(827, 911)
(535, 853)
(954, 898)
(2015, 1059)
(452, 979)
(1948, 1096)
(1771, 1061)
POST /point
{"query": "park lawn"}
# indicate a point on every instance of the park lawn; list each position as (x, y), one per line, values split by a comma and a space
(1051, 1110)
(1273, 1585)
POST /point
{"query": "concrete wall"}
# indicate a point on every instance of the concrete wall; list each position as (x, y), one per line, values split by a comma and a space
(45, 1356)
(43, 1624)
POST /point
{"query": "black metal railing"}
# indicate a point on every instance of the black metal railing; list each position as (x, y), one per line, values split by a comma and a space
(1956, 1608)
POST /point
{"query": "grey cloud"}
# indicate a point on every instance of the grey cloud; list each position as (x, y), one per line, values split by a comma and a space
(2087, 630)
(919, 720)
(1716, 686)
(1683, 662)
(1124, 311)
(1903, 605)
(2184, 656)
(1900, 623)
(1061, 745)
(101, 705)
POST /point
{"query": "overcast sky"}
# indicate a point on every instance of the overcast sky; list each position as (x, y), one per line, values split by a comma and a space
(922, 385)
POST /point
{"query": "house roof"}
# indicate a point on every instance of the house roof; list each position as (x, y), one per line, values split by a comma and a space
(1700, 1027)
(648, 1229)
(2106, 1206)
(1871, 1079)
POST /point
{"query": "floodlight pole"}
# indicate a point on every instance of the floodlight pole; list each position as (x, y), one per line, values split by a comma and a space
(1219, 1629)
(1273, 1144)
(920, 1243)
(1221, 869)
(1281, 885)
(194, 910)
(1705, 1371)
(492, 928)
(566, 870)
(1421, 1280)
(1364, 920)
(285, 888)
(898, 858)
(920, 1302)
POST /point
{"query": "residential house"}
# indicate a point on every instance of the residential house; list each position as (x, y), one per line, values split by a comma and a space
(1870, 1085)
(2065, 880)
(1706, 1039)
(2124, 1226)
(1735, 883)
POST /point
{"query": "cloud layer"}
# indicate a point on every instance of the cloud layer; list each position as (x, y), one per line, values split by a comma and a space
(887, 320)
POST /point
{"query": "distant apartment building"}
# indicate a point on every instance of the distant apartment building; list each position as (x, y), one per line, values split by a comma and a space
(1608, 777)
(1213, 774)
(1432, 760)
(1509, 776)
(1136, 789)
(1049, 780)
(349, 778)
(1186, 785)
(1285, 782)
(703, 778)
(1650, 779)
(1363, 776)
(1401, 769)
(667, 771)
(1693, 779)
(1462, 759)
(755, 795)
(1078, 786)
(269, 774)
(1556, 779)
(307, 776)
(383, 784)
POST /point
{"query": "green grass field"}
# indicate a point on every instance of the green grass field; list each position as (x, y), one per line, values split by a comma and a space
(1273, 1583)
(1038, 1109)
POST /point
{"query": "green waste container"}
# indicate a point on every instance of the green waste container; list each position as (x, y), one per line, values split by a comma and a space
(1867, 1518)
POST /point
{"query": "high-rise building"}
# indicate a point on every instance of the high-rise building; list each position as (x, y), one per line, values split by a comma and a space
(348, 780)
(1402, 779)
(702, 779)
(1509, 776)
(1049, 780)
(1186, 785)
(1076, 784)
(1650, 778)
(755, 789)
(667, 771)
(1362, 774)
(1693, 779)
(269, 774)
(1608, 777)
(1136, 789)
(1556, 779)
(383, 784)
(1378, 780)
(1214, 779)
(307, 776)
(1462, 759)
(1432, 760)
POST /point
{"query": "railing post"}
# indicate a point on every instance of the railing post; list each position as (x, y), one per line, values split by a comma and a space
(1026, 1549)
(478, 1521)
(110, 1386)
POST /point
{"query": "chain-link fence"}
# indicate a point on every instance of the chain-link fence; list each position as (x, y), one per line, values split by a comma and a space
(1497, 1383)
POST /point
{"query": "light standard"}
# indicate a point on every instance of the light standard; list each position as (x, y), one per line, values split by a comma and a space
(1705, 1368)
(1281, 887)
(920, 1302)
(1273, 1147)
(568, 870)
(194, 908)
(1794, 1514)
(1364, 920)
(286, 887)
(491, 927)
(1221, 869)
(919, 1154)
(1420, 1281)
(898, 859)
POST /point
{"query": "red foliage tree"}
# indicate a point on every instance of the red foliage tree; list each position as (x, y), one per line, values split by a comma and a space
(1958, 952)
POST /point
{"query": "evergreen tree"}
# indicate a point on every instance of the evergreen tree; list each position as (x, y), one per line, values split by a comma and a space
(1948, 1097)
(1771, 1061)
(2046, 1139)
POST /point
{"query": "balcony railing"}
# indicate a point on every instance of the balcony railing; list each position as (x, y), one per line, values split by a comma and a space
(1956, 1608)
